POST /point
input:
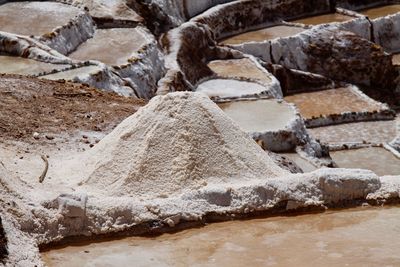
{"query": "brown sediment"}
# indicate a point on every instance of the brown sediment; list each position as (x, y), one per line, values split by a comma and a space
(31, 105)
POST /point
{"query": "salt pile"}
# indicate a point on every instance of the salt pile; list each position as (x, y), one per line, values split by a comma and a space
(181, 141)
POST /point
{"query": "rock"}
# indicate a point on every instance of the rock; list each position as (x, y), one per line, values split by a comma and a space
(36, 135)
(72, 206)
(3, 244)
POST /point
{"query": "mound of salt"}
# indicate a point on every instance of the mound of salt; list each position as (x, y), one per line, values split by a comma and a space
(178, 142)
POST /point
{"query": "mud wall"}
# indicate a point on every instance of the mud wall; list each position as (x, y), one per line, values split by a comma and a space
(361, 4)
(195, 7)
(188, 48)
(321, 51)
(386, 32)
(22, 46)
(144, 71)
(66, 39)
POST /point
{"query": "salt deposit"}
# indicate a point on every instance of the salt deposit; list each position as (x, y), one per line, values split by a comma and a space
(177, 142)
(187, 162)
(181, 161)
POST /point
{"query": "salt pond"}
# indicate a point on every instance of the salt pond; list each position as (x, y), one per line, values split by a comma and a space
(332, 101)
(25, 66)
(382, 11)
(111, 46)
(35, 18)
(263, 35)
(323, 19)
(376, 159)
(259, 115)
(357, 237)
(377, 132)
(230, 88)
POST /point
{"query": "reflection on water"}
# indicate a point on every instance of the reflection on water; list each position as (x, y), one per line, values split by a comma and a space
(323, 19)
(362, 237)
(382, 11)
(376, 159)
(263, 35)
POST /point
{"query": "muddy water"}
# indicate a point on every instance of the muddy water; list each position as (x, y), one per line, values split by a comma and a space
(304, 164)
(111, 46)
(323, 19)
(358, 237)
(260, 115)
(378, 160)
(382, 11)
(24, 66)
(263, 35)
(34, 18)
(333, 101)
(396, 59)
(377, 132)
(243, 68)
(71, 74)
(230, 88)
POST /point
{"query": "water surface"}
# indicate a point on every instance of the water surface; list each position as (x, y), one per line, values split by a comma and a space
(359, 237)
(382, 11)
(227, 88)
(110, 46)
(35, 18)
(323, 19)
(259, 115)
(376, 159)
(263, 35)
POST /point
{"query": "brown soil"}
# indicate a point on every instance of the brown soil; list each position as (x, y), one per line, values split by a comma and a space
(51, 108)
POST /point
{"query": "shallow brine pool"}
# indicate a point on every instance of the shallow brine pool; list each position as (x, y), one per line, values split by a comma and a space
(358, 237)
